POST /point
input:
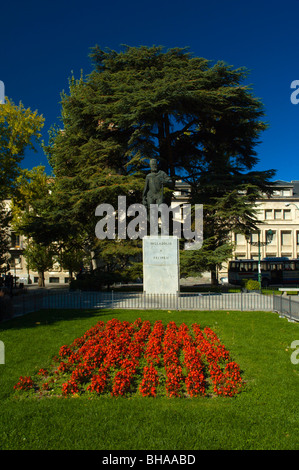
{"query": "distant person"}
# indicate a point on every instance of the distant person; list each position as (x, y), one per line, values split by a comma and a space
(79, 274)
(9, 282)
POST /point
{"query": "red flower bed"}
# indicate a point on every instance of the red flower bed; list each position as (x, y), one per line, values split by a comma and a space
(122, 359)
(24, 383)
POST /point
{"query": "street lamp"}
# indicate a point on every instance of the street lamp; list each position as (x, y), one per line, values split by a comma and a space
(287, 204)
(269, 238)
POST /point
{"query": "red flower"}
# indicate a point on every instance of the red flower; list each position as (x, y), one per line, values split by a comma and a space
(111, 356)
(25, 383)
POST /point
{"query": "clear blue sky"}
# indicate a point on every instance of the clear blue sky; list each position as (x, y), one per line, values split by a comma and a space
(42, 42)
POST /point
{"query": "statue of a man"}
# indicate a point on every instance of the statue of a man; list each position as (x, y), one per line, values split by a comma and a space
(154, 184)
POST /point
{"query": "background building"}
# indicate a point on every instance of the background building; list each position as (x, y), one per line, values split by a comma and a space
(280, 213)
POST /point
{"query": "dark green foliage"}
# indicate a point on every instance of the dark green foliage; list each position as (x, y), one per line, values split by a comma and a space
(90, 281)
(40, 258)
(206, 259)
(197, 118)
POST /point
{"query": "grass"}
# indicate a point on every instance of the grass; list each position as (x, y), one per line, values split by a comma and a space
(264, 416)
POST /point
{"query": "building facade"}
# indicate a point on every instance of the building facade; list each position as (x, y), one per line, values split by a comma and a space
(280, 213)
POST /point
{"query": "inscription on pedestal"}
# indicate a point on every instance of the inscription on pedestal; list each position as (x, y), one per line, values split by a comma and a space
(161, 265)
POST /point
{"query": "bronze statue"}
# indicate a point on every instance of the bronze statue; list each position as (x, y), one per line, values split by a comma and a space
(154, 185)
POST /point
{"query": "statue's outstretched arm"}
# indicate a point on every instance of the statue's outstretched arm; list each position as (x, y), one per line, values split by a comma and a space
(167, 180)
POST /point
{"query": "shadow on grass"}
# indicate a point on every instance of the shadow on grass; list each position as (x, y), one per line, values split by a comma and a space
(49, 316)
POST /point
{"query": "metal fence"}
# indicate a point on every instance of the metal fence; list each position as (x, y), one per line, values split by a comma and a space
(27, 303)
(287, 306)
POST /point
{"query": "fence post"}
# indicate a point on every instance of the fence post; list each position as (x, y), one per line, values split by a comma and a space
(112, 299)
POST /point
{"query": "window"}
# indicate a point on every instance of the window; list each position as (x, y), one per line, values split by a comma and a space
(254, 267)
(273, 238)
(239, 239)
(268, 214)
(286, 192)
(290, 266)
(233, 266)
(54, 280)
(244, 267)
(287, 214)
(277, 214)
(15, 240)
(297, 238)
(276, 267)
(286, 238)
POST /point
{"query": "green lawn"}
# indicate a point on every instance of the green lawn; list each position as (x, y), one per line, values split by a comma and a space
(264, 416)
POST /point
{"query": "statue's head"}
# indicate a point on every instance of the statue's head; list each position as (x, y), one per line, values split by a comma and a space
(153, 164)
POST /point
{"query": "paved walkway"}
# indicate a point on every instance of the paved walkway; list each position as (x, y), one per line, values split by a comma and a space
(135, 300)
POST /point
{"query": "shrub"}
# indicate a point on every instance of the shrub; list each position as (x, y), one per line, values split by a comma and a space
(250, 284)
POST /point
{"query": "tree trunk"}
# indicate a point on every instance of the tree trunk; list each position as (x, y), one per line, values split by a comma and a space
(93, 262)
(168, 149)
(161, 139)
(214, 277)
(41, 279)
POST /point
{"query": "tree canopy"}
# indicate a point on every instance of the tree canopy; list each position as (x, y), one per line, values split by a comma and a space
(198, 119)
(19, 129)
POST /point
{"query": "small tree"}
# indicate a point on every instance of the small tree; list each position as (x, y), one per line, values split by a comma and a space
(40, 258)
(19, 129)
(72, 259)
(207, 258)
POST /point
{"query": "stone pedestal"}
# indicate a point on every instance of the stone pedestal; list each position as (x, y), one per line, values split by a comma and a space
(161, 267)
